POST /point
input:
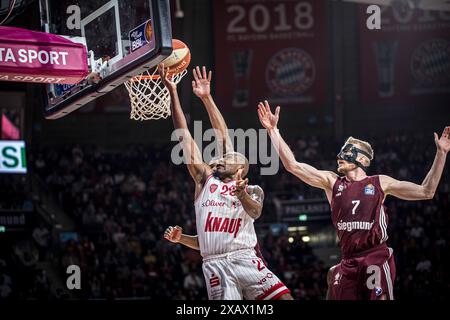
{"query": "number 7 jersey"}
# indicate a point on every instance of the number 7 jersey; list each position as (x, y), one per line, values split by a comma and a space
(358, 214)
(222, 224)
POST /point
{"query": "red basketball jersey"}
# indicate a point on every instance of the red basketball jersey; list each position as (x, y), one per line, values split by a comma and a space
(359, 215)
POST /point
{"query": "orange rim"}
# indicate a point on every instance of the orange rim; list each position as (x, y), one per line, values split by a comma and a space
(149, 77)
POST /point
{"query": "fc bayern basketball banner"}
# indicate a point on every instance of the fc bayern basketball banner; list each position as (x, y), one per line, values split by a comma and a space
(270, 49)
(408, 59)
(31, 56)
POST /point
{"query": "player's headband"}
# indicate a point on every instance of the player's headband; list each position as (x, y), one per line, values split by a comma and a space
(349, 153)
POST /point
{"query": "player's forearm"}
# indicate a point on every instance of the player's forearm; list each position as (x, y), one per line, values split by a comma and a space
(286, 155)
(431, 181)
(191, 152)
(251, 207)
(218, 123)
(178, 118)
(189, 241)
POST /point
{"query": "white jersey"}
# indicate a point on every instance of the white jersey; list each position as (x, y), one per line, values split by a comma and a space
(222, 224)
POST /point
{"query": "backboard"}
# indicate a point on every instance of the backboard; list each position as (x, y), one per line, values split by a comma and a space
(123, 38)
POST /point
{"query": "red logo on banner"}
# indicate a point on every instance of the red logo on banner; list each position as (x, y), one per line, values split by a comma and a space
(290, 72)
(429, 63)
(213, 188)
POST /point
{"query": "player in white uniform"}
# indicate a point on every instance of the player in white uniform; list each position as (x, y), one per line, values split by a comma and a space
(225, 213)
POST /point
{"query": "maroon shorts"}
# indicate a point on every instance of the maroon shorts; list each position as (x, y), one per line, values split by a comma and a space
(368, 276)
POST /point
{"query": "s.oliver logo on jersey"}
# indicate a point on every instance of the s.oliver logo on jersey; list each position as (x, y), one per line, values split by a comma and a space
(221, 224)
(213, 188)
(212, 203)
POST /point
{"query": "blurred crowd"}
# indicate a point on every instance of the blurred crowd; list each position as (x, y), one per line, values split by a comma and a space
(123, 201)
(21, 275)
(15, 193)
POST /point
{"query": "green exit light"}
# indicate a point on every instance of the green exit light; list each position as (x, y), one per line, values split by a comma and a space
(302, 217)
(2, 229)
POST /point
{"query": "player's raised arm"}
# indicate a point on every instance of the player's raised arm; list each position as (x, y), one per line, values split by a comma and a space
(197, 168)
(251, 198)
(175, 235)
(411, 191)
(308, 174)
(201, 86)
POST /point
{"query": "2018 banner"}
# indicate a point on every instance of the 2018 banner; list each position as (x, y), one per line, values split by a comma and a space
(270, 49)
(408, 60)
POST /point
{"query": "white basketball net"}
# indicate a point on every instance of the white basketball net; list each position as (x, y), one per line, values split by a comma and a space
(150, 99)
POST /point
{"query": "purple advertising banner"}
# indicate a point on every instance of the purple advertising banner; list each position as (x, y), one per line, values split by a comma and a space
(31, 56)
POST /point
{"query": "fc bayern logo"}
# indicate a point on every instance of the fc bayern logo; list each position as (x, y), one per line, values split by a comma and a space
(290, 72)
(430, 63)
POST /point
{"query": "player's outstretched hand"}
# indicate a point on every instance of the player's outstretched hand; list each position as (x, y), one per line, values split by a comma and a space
(266, 117)
(173, 234)
(164, 74)
(241, 185)
(443, 143)
(201, 85)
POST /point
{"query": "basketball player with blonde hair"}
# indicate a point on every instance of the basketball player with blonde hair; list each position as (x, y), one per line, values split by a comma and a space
(367, 269)
(225, 213)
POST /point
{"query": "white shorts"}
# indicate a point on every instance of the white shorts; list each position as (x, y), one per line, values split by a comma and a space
(240, 274)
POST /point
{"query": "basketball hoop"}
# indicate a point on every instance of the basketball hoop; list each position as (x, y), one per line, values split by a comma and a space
(150, 99)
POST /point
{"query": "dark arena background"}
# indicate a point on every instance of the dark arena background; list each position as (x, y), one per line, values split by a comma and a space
(97, 190)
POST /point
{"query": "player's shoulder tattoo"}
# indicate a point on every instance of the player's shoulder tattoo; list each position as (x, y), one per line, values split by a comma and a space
(256, 193)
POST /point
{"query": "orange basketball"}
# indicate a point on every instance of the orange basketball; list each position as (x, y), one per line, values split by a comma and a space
(179, 59)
